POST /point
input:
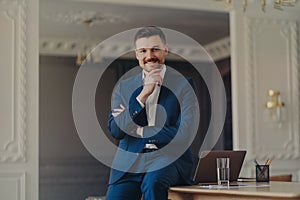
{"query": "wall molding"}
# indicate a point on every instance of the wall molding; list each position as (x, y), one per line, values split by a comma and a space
(289, 32)
(10, 2)
(249, 88)
(295, 86)
(218, 50)
(19, 181)
(15, 149)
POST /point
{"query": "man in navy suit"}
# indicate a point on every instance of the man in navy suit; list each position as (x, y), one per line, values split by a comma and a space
(151, 112)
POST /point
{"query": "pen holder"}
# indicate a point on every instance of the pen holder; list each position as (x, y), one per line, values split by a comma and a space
(262, 173)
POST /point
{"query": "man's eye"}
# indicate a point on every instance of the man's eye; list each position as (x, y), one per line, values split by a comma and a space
(142, 51)
(155, 49)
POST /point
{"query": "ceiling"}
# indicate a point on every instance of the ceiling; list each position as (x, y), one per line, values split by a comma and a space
(97, 21)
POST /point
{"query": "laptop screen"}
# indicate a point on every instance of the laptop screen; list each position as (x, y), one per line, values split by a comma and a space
(206, 170)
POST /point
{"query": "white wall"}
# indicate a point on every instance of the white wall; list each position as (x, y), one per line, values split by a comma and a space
(19, 99)
(265, 55)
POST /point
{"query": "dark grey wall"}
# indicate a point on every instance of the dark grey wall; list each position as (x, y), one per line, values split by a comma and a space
(67, 170)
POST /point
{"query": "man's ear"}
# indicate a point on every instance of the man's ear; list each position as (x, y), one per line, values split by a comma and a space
(136, 54)
(166, 49)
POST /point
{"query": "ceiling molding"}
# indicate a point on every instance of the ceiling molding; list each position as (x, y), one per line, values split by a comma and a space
(208, 5)
(85, 17)
(87, 20)
(217, 50)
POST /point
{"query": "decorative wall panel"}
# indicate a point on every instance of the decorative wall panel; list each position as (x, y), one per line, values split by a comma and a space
(12, 186)
(12, 81)
(266, 41)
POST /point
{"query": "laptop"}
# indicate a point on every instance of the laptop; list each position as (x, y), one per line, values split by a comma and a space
(206, 170)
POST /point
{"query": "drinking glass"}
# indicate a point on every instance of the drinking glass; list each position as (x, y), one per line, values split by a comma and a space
(223, 171)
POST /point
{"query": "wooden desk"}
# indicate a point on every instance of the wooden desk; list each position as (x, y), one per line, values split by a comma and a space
(276, 190)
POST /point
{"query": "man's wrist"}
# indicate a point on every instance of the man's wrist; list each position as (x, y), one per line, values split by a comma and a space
(139, 131)
(142, 98)
(141, 103)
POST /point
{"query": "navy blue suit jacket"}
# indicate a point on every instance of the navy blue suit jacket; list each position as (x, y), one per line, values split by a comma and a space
(181, 113)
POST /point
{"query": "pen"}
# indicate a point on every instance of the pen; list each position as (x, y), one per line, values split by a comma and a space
(268, 162)
(257, 164)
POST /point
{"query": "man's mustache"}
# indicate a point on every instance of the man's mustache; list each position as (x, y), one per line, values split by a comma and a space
(152, 60)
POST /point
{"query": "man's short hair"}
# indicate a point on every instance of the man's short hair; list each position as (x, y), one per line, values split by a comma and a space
(149, 31)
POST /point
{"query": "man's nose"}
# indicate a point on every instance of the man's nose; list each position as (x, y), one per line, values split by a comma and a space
(149, 54)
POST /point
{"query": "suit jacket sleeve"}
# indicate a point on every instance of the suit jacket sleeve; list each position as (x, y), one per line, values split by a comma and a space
(122, 124)
(160, 135)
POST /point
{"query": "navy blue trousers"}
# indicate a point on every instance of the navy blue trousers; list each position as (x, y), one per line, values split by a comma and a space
(152, 185)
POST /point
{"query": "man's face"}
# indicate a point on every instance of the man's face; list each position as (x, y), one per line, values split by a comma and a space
(150, 52)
